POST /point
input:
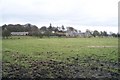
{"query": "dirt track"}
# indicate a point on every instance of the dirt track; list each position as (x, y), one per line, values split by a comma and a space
(101, 46)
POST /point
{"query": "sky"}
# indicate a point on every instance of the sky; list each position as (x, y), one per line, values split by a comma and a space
(81, 14)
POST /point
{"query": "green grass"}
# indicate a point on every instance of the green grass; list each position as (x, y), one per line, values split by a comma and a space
(19, 51)
(62, 46)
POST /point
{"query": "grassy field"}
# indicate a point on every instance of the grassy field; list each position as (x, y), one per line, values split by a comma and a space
(60, 57)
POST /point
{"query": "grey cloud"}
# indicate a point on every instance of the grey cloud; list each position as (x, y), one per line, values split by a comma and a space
(64, 12)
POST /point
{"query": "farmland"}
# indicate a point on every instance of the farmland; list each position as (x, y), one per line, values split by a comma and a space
(31, 57)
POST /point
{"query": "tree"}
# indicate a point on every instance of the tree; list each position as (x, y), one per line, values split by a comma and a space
(88, 33)
(18, 28)
(5, 33)
(43, 28)
(70, 28)
(56, 30)
(37, 34)
(101, 33)
(105, 33)
(27, 27)
(79, 31)
(96, 33)
(63, 28)
(50, 27)
(34, 31)
(4, 26)
(114, 35)
(49, 31)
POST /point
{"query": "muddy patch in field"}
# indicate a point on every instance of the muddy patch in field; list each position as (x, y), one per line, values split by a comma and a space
(54, 69)
(74, 67)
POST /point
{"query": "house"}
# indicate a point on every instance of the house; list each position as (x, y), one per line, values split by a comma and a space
(19, 33)
(71, 32)
(60, 33)
(81, 34)
(84, 34)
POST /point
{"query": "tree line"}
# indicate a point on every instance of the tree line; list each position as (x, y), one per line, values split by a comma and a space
(32, 29)
(47, 31)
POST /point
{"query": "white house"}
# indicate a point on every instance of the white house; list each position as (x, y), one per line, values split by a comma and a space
(19, 33)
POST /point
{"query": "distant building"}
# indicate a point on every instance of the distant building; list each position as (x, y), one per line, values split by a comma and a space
(61, 33)
(81, 34)
(84, 34)
(19, 33)
(71, 32)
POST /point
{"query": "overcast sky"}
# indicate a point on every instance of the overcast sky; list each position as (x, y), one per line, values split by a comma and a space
(80, 14)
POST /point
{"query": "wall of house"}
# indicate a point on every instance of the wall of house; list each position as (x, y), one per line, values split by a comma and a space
(19, 33)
